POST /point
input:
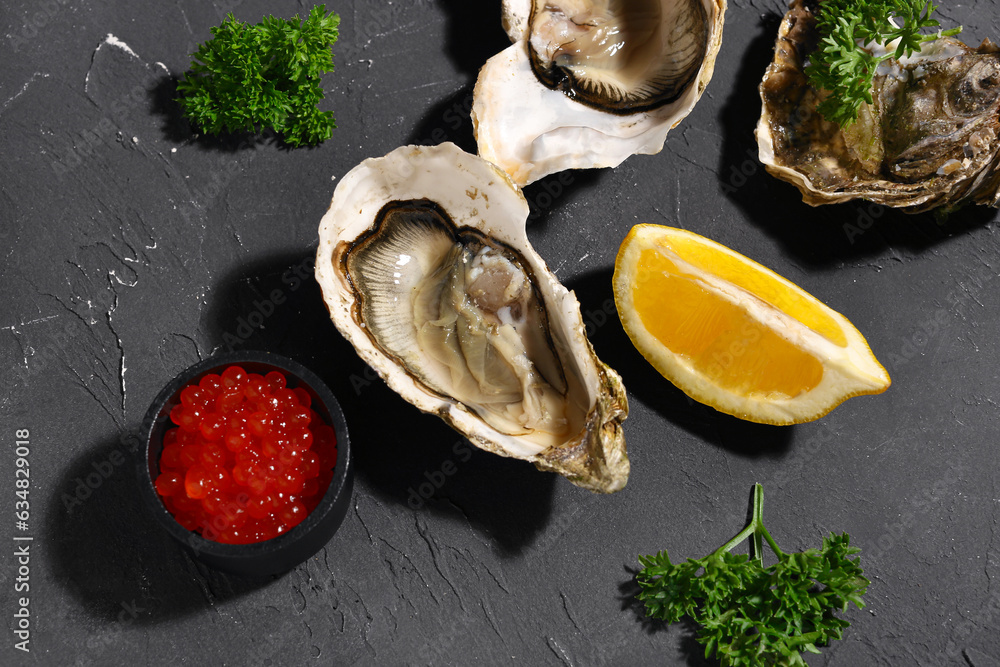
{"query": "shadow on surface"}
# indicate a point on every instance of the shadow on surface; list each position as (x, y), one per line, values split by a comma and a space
(694, 652)
(643, 382)
(448, 120)
(176, 128)
(113, 558)
(401, 454)
(546, 195)
(475, 33)
(451, 120)
(818, 236)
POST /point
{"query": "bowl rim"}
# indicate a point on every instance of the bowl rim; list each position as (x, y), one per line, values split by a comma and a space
(157, 415)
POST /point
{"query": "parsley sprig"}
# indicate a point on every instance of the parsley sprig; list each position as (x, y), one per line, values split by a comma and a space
(751, 615)
(247, 78)
(843, 67)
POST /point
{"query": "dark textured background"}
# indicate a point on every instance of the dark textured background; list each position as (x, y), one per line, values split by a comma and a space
(131, 248)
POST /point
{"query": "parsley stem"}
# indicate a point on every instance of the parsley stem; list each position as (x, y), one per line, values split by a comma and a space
(751, 615)
(758, 521)
(771, 543)
(754, 530)
(739, 537)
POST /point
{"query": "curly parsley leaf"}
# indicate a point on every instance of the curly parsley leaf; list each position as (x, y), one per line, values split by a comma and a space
(247, 78)
(753, 615)
(842, 66)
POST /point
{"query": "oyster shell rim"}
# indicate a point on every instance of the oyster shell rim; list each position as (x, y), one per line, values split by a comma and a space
(982, 187)
(521, 163)
(595, 458)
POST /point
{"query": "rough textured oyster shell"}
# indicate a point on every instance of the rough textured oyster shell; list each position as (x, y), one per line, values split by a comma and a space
(557, 98)
(929, 139)
(426, 268)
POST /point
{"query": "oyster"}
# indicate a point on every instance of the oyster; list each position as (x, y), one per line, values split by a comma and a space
(589, 82)
(426, 269)
(929, 139)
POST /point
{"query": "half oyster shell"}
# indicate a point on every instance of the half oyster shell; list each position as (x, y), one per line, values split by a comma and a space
(426, 269)
(589, 82)
(929, 139)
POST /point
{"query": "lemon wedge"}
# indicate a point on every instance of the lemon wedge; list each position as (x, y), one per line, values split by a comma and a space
(733, 334)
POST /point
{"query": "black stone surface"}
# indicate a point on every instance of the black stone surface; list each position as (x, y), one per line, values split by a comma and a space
(131, 248)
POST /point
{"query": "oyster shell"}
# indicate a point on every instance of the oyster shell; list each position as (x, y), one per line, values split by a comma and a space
(929, 139)
(589, 82)
(426, 269)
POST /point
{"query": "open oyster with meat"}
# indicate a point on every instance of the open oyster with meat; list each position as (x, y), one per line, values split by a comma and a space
(588, 83)
(930, 138)
(426, 269)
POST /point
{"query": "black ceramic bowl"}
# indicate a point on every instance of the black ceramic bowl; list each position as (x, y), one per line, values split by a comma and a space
(281, 553)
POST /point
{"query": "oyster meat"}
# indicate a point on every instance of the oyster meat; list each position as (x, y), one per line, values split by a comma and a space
(589, 82)
(929, 139)
(426, 269)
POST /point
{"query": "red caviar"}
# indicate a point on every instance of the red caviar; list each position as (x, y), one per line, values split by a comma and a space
(249, 459)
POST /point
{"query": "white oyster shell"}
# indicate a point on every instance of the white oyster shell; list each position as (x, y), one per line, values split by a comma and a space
(422, 225)
(530, 130)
